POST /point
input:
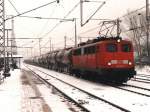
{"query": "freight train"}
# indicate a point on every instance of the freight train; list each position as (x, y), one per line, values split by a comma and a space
(105, 58)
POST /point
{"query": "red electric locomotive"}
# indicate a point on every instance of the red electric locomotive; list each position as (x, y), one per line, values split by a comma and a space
(109, 58)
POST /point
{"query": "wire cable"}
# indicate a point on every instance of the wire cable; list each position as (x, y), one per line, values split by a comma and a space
(61, 22)
(31, 10)
(14, 7)
(133, 12)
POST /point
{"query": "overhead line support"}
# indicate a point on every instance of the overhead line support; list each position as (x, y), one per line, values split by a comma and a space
(81, 11)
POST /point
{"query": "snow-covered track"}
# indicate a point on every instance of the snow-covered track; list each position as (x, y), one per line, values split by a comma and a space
(136, 87)
(143, 75)
(90, 95)
(133, 89)
(54, 87)
(137, 80)
(142, 79)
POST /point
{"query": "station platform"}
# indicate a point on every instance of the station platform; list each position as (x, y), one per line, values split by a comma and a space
(18, 93)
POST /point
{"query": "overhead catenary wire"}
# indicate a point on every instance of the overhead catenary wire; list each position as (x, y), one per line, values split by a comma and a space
(50, 18)
(19, 14)
(130, 14)
(31, 10)
(43, 28)
(14, 7)
(133, 12)
(75, 6)
(119, 18)
(38, 17)
(92, 28)
(82, 24)
(60, 21)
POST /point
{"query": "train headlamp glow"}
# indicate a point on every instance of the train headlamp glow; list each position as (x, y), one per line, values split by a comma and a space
(109, 63)
(118, 40)
(130, 63)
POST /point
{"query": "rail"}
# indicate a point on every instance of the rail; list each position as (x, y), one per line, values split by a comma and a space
(96, 97)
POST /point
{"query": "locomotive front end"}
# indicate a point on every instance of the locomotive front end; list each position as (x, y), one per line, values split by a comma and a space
(117, 59)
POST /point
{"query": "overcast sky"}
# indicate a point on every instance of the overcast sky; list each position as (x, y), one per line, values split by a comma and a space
(41, 28)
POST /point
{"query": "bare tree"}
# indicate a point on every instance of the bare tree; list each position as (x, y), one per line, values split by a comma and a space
(135, 25)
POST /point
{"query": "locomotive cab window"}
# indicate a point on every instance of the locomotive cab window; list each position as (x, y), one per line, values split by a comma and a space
(91, 49)
(126, 47)
(77, 52)
(111, 47)
(85, 50)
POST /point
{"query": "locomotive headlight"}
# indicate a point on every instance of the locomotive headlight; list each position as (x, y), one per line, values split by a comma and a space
(118, 40)
(130, 63)
(109, 63)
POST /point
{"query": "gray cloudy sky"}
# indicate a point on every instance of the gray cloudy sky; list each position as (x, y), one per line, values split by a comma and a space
(37, 28)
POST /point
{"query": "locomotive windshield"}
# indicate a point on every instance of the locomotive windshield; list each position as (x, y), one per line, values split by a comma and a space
(126, 47)
(111, 47)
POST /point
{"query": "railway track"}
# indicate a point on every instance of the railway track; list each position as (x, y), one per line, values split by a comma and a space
(128, 85)
(78, 102)
(138, 90)
(131, 88)
(141, 79)
(143, 75)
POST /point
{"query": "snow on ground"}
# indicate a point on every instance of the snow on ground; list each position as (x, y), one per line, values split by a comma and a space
(10, 93)
(144, 69)
(18, 96)
(131, 101)
(56, 102)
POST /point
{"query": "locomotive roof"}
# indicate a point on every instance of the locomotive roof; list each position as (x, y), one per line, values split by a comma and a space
(99, 39)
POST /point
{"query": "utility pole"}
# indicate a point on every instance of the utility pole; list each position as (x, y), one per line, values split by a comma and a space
(75, 32)
(118, 27)
(81, 13)
(65, 39)
(147, 26)
(2, 32)
(50, 46)
(31, 51)
(12, 36)
(80, 39)
(89, 18)
(6, 49)
(2, 39)
(13, 39)
(40, 46)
